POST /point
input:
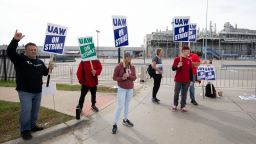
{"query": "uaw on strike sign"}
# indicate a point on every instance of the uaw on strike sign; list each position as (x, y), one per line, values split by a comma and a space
(181, 29)
(55, 39)
(120, 31)
(87, 48)
(206, 73)
(192, 32)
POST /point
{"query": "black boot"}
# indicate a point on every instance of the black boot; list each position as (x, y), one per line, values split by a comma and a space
(78, 112)
(26, 135)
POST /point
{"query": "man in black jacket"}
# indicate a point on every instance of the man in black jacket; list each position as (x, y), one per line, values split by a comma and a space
(29, 73)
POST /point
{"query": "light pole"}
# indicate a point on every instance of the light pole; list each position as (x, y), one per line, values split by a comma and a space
(97, 42)
(206, 34)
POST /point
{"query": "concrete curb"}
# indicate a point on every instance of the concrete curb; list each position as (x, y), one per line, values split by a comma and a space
(51, 132)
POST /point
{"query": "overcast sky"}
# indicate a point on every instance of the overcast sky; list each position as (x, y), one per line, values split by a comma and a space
(84, 17)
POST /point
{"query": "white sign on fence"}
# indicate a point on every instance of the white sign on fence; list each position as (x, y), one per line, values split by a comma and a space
(206, 73)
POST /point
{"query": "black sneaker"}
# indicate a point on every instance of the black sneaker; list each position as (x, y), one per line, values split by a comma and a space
(154, 100)
(127, 123)
(26, 135)
(114, 129)
(78, 112)
(36, 128)
(194, 102)
(94, 108)
(157, 100)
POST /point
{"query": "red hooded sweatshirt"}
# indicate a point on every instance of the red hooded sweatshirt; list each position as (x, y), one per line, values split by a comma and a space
(88, 79)
(118, 76)
(183, 74)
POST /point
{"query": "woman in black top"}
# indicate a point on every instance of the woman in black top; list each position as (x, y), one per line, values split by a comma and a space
(158, 66)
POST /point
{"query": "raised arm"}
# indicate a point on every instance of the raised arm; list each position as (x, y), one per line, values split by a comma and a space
(11, 49)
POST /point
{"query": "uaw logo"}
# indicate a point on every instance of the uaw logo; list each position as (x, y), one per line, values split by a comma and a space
(181, 29)
(201, 73)
(120, 31)
(210, 73)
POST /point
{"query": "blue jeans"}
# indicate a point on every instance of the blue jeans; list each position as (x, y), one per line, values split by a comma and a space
(123, 99)
(29, 109)
(192, 89)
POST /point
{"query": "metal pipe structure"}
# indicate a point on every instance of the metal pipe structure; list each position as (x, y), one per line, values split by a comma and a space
(97, 40)
(206, 33)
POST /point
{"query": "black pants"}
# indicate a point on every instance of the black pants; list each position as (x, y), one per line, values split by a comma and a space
(84, 90)
(157, 81)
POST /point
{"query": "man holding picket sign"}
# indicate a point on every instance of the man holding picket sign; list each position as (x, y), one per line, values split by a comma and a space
(181, 64)
(29, 73)
(183, 67)
(87, 73)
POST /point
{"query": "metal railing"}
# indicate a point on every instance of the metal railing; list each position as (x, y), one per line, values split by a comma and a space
(229, 77)
(226, 78)
(67, 73)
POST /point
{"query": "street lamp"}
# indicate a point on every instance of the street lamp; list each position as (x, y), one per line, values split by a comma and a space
(97, 41)
(206, 34)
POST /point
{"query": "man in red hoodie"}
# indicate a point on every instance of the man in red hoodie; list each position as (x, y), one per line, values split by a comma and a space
(87, 75)
(183, 67)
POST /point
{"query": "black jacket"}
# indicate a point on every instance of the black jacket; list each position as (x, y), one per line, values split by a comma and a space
(29, 72)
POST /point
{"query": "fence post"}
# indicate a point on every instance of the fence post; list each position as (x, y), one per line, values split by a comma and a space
(5, 71)
(71, 75)
(203, 90)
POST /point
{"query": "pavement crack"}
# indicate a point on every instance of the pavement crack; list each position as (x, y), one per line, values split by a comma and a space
(242, 109)
(78, 138)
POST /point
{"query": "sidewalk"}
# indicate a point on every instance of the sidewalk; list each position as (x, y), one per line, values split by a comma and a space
(65, 101)
(226, 120)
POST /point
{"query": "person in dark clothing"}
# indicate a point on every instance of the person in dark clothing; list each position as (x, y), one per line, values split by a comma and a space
(183, 67)
(158, 66)
(87, 75)
(29, 73)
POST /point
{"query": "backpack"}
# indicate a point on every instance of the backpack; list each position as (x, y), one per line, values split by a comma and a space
(210, 90)
(151, 72)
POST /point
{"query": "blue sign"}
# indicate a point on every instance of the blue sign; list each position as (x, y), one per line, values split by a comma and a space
(192, 32)
(181, 29)
(210, 73)
(206, 73)
(55, 39)
(200, 73)
(120, 31)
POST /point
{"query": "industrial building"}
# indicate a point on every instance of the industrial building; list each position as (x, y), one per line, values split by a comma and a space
(230, 42)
